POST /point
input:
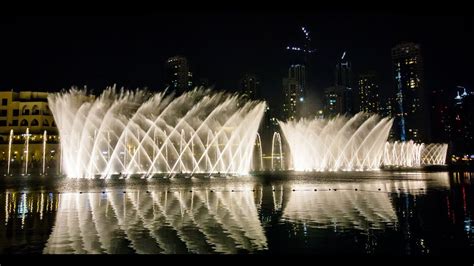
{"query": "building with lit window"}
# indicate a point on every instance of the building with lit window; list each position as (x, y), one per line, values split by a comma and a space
(291, 91)
(412, 111)
(462, 120)
(249, 86)
(441, 102)
(294, 92)
(21, 112)
(387, 107)
(369, 95)
(344, 82)
(334, 101)
(178, 76)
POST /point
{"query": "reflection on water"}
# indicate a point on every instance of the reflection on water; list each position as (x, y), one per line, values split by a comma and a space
(406, 213)
(344, 209)
(157, 222)
(348, 204)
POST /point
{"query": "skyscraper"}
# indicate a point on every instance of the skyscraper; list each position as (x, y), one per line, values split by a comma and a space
(344, 82)
(249, 86)
(178, 76)
(440, 115)
(462, 120)
(294, 92)
(291, 95)
(412, 117)
(334, 102)
(369, 93)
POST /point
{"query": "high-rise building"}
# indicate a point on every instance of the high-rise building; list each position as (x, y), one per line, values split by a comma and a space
(412, 111)
(203, 82)
(387, 107)
(344, 81)
(369, 97)
(249, 85)
(178, 76)
(462, 120)
(440, 115)
(298, 72)
(291, 99)
(334, 103)
(294, 92)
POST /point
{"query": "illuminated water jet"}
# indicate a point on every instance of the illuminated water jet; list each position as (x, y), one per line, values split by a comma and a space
(342, 143)
(135, 132)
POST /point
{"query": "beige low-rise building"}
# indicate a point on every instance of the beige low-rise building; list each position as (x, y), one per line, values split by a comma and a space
(21, 112)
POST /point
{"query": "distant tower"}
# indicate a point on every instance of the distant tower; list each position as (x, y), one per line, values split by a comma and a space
(334, 101)
(343, 81)
(249, 85)
(297, 73)
(412, 110)
(291, 92)
(369, 93)
(203, 82)
(462, 121)
(440, 115)
(178, 76)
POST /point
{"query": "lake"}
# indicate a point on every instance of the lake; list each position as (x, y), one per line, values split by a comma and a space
(381, 212)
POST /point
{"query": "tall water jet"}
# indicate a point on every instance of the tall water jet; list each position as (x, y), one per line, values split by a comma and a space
(341, 143)
(277, 140)
(45, 136)
(434, 154)
(402, 154)
(10, 139)
(410, 154)
(258, 143)
(60, 160)
(27, 146)
(147, 134)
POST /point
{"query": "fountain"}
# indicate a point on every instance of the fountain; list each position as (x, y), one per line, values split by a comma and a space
(434, 154)
(9, 151)
(356, 143)
(135, 132)
(45, 136)
(258, 143)
(409, 154)
(277, 140)
(27, 146)
(341, 143)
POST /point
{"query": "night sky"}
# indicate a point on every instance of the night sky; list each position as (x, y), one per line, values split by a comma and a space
(52, 53)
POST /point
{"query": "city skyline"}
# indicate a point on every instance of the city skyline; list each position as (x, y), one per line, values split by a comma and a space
(130, 51)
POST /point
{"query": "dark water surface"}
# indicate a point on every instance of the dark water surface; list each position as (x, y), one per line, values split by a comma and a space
(396, 213)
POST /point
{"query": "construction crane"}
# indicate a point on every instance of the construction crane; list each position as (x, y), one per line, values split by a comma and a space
(306, 49)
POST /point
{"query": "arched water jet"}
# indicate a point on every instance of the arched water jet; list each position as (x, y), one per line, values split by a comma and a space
(340, 143)
(10, 139)
(277, 139)
(143, 134)
(27, 147)
(258, 144)
(45, 136)
(411, 154)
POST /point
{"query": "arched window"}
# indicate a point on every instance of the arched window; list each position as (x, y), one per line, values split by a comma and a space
(35, 110)
(25, 110)
(46, 110)
(45, 123)
(24, 123)
(34, 123)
